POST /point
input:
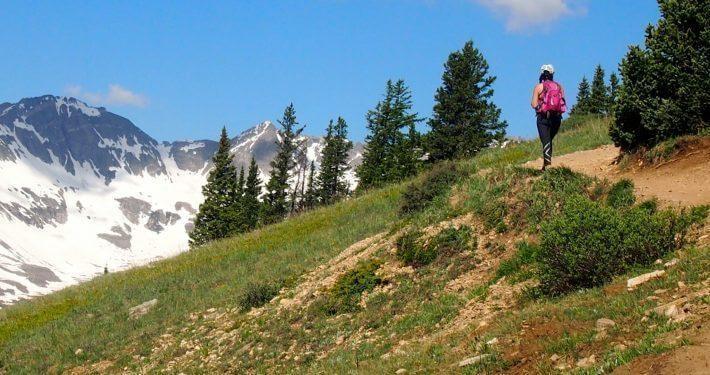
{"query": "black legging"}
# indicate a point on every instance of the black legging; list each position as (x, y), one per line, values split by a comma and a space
(547, 127)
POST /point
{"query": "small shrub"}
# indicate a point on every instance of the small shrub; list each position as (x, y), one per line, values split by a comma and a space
(346, 293)
(621, 194)
(650, 205)
(412, 252)
(517, 267)
(452, 240)
(257, 295)
(590, 243)
(434, 183)
(549, 193)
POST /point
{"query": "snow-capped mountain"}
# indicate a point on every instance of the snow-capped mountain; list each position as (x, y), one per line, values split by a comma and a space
(84, 189)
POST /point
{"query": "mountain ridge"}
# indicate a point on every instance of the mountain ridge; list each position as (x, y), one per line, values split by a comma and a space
(86, 189)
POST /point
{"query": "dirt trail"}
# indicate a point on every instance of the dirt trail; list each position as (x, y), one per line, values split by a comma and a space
(682, 180)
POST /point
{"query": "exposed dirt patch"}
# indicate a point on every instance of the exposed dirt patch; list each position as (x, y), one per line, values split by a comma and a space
(325, 276)
(682, 180)
(687, 360)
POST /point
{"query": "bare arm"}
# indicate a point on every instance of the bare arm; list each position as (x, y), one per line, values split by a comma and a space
(535, 96)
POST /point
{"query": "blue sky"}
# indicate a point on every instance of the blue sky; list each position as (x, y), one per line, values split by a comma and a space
(182, 70)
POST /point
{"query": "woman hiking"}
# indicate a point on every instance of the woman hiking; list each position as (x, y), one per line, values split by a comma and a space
(548, 100)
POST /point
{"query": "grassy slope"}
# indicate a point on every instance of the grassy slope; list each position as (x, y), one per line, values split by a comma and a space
(42, 334)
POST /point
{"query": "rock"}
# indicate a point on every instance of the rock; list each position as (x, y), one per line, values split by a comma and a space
(681, 284)
(555, 358)
(136, 312)
(671, 263)
(659, 291)
(78, 352)
(601, 335)
(620, 347)
(339, 340)
(586, 362)
(473, 360)
(658, 261)
(401, 371)
(638, 280)
(603, 324)
(492, 341)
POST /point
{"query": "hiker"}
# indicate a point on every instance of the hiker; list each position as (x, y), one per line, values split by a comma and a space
(548, 100)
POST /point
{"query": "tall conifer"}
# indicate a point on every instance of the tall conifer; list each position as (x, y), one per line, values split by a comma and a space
(465, 120)
(250, 200)
(276, 205)
(390, 150)
(334, 163)
(217, 216)
(599, 97)
(582, 105)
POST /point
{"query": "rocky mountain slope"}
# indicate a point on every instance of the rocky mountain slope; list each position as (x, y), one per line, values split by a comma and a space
(84, 189)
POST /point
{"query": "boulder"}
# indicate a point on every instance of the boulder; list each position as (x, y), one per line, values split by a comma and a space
(473, 360)
(136, 312)
(587, 362)
(638, 280)
(603, 324)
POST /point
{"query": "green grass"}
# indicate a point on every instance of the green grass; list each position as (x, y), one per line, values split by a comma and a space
(44, 332)
(41, 335)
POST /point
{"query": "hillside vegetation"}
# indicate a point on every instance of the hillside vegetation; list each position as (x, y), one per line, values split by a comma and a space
(397, 278)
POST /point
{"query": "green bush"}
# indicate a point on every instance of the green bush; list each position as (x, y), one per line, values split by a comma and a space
(412, 252)
(590, 243)
(257, 294)
(650, 205)
(345, 295)
(518, 266)
(452, 240)
(621, 194)
(665, 92)
(434, 183)
(550, 192)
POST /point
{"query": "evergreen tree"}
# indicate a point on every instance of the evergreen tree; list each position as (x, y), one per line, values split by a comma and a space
(391, 153)
(334, 163)
(276, 205)
(310, 197)
(583, 98)
(217, 217)
(240, 183)
(666, 91)
(465, 120)
(613, 90)
(599, 99)
(250, 199)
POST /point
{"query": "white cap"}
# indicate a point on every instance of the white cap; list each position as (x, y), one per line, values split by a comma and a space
(548, 68)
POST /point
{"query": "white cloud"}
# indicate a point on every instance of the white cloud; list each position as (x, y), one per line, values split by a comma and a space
(527, 14)
(116, 95)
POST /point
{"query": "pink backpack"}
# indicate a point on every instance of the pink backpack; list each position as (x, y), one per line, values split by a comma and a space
(552, 99)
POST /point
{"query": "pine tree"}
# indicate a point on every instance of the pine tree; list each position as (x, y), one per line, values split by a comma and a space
(613, 90)
(240, 184)
(391, 153)
(599, 99)
(666, 91)
(310, 197)
(276, 205)
(465, 120)
(334, 163)
(237, 202)
(250, 200)
(217, 217)
(583, 94)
